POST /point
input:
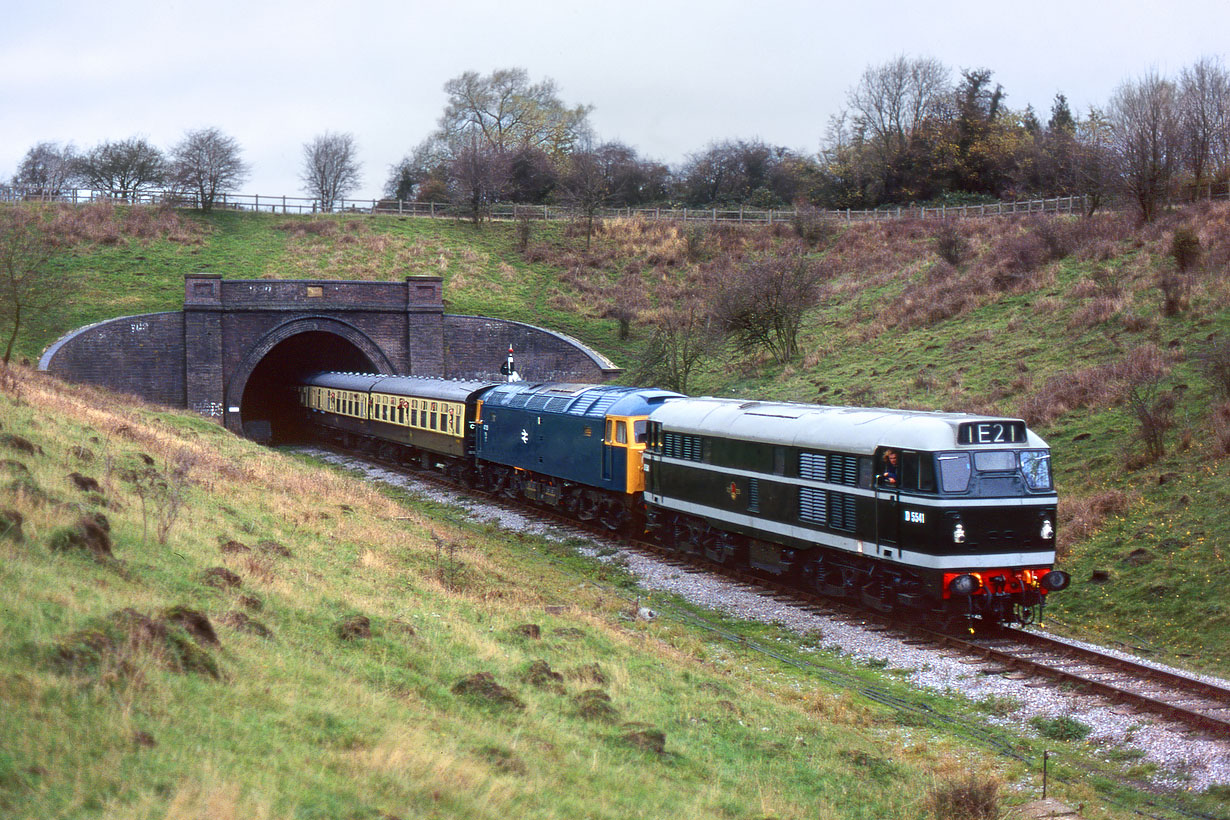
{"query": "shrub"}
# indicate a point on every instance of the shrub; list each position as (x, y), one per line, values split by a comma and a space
(1213, 358)
(1185, 248)
(1153, 407)
(695, 240)
(525, 232)
(968, 798)
(950, 245)
(810, 226)
(1060, 728)
(1175, 287)
(1221, 429)
(762, 306)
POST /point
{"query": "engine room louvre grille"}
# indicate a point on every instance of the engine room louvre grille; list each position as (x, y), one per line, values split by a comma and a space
(519, 400)
(813, 466)
(753, 495)
(681, 445)
(556, 404)
(813, 505)
(841, 511)
(843, 469)
(599, 407)
(536, 402)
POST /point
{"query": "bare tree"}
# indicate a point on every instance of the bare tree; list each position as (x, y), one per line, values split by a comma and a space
(586, 188)
(1204, 100)
(506, 111)
(208, 162)
(684, 334)
(46, 170)
(1146, 137)
(124, 168)
(330, 168)
(1094, 160)
(29, 283)
(477, 176)
(763, 305)
(892, 101)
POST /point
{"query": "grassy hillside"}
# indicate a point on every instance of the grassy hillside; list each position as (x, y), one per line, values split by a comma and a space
(196, 627)
(1057, 320)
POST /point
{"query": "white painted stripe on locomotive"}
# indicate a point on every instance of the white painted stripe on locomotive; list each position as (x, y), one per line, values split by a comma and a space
(867, 548)
(920, 501)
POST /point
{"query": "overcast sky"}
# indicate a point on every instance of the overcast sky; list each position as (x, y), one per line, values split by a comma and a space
(665, 77)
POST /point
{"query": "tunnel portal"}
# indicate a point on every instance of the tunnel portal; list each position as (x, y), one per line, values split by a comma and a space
(269, 408)
(235, 350)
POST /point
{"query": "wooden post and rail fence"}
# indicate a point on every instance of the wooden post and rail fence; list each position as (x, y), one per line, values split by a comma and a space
(508, 211)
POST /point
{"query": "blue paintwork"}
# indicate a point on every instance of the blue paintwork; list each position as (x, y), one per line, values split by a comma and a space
(541, 428)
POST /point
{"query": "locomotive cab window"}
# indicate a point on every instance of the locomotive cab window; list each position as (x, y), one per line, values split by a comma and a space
(954, 472)
(621, 432)
(905, 470)
(889, 468)
(640, 431)
(1036, 465)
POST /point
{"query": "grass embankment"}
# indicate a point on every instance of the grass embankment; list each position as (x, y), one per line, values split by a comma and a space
(197, 627)
(1051, 319)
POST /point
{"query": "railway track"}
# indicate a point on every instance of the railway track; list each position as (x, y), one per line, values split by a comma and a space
(1200, 706)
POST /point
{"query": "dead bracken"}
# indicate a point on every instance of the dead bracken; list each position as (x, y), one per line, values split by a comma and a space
(354, 627)
(594, 704)
(542, 676)
(646, 738)
(10, 525)
(220, 578)
(114, 646)
(273, 548)
(91, 534)
(240, 622)
(482, 686)
(84, 483)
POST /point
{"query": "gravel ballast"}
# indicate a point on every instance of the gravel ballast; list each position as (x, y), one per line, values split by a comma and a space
(1185, 761)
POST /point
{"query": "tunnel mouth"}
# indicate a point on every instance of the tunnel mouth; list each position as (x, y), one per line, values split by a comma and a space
(269, 409)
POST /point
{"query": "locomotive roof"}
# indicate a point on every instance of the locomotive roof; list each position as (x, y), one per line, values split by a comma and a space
(851, 429)
(441, 389)
(591, 400)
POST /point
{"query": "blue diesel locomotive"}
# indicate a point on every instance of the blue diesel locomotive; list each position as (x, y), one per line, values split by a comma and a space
(937, 512)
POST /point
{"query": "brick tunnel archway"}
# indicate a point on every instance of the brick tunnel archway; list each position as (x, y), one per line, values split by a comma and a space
(260, 399)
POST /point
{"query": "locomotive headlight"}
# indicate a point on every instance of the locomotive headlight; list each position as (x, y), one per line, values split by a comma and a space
(958, 533)
(964, 585)
(1056, 580)
(1048, 530)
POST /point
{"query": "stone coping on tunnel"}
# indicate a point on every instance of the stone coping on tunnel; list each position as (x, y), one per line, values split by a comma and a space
(49, 354)
(608, 367)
